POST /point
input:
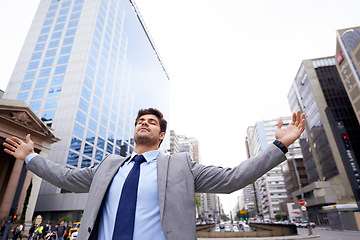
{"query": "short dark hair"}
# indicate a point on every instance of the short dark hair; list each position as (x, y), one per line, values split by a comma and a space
(157, 113)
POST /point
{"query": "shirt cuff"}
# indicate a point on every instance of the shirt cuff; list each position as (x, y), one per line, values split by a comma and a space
(29, 157)
(281, 146)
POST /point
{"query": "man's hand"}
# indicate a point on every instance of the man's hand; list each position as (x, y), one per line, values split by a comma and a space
(292, 132)
(18, 148)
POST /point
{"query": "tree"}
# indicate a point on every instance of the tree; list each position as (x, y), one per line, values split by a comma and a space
(278, 217)
(224, 217)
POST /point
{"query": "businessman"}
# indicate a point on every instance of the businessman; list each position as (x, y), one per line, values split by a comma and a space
(149, 195)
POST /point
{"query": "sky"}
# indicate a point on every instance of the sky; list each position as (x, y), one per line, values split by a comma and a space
(231, 63)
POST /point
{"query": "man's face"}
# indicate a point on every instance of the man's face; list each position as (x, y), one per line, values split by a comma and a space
(61, 223)
(147, 130)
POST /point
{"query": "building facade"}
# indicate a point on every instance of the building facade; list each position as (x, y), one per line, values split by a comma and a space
(85, 69)
(333, 178)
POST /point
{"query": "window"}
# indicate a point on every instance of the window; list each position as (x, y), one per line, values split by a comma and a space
(54, 43)
(102, 131)
(48, 22)
(100, 143)
(70, 32)
(75, 16)
(88, 150)
(84, 105)
(68, 41)
(54, 91)
(35, 105)
(75, 144)
(63, 59)
(57, 80)
(78, 130)
(22, 96)
(94, 113)
(50, 14)
(45, 72)
(73, 23)
(45, 30)
(99, 155)
(65, 50)
(61, 19)
(86, 162)
(51, 103)
(36, 56)
(39, 47)
(33, 65)
(40, 83)
(48, 62)
(81, 117)
(64, 11)
(73, 159)
(38, 94)
(48, 115)
(60, 70)
(90, 137)
(42, 38)
(51, 53)
(26, 85)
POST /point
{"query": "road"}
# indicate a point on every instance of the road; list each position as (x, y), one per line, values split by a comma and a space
(327, 234)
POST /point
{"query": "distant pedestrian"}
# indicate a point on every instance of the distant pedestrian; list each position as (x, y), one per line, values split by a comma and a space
(47, 228)
(60, 231)
(17, 232)
(40, 231)
(32, 230)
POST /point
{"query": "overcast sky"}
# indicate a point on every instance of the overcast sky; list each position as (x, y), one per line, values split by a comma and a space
(230, 62)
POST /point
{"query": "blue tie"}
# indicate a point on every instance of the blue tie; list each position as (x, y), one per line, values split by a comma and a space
(125, 216)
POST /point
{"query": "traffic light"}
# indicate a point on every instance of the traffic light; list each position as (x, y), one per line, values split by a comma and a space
(14, 218)
(346, 141)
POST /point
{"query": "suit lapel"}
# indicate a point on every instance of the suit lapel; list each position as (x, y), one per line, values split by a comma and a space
(162, 170)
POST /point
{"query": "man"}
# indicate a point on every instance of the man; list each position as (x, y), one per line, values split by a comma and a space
(47, 228)
(60, 231)
(165, 204)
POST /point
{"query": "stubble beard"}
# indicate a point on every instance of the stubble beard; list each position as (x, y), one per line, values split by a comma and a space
(144, 140)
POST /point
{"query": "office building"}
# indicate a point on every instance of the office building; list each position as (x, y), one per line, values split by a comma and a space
(85, 69)
(329, 145)
(348, 64)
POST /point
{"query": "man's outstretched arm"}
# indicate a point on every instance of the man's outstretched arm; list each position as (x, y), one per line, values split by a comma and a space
(18, 148)
(292, 132)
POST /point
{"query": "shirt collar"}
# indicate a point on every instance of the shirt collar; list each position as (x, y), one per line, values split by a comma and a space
(149, 156)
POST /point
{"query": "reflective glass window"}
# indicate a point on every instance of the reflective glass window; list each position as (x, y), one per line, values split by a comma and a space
(75, 144)
(26, 85)
(92, 125)
(45, 72)
(81, 117)
(73, 23)
(118, 142)
(88, 150)
(33, 65)
(36, 56)
(65, 4)
(73, 159)
(50, 14)
(48, 115)
(51, 103)
(38, 94)
(77, 8)
(94, 113)
(51, 53)
(22, 96)
(57, 80)
(68, 41)
(56, 35)
(41, 83)
(86, 93)
(88, 82)
(48, 22)
(109, 148)
(86, 162)
(75, 15)
(35, 105)
(39, 46)
(90, 72)
(104, 120)
(54, 43)
(65, 50)
(60, 69)
(63, 59)
(78, 130)
(83, 105)
(99, 155)
(61, 19)
(53, 7)
(90, 137)
(48, 62)
(102, 131)
(42, 38)
(54, 91)
(64, 11)
(59, 26)
(29, 75)
(100, 143)
(96, 102)
(70, 32)
(45, 30)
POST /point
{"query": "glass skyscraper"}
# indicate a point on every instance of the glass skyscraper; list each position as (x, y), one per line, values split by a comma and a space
(85, 69)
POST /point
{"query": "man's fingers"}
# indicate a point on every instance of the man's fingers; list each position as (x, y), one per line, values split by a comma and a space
(11, 142)
(280, 123)
(8, 151)
(293, 119)
(17, 140)
(9, 146)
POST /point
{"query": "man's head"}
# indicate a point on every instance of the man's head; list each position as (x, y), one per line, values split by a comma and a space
(62, 223)
(150, 126)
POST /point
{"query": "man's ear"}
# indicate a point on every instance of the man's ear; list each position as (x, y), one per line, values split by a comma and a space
(162, 135)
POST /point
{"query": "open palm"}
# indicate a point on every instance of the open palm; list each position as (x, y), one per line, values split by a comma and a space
(18, 148)
(292, 132)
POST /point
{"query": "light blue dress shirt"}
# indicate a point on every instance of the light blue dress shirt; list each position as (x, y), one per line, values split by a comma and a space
(147, 216)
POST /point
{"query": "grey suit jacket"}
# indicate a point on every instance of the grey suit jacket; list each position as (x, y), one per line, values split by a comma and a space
(178, 179)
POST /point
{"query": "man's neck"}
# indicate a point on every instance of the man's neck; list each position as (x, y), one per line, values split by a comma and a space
(140, 149)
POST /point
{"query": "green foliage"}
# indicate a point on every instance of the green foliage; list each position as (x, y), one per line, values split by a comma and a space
(65, 219)
(278, 217)
(224, 217)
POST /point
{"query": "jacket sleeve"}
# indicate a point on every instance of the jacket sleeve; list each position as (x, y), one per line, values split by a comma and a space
(213, 179)
(76, 180)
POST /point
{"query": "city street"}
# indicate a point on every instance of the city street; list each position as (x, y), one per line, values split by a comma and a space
(327, 234)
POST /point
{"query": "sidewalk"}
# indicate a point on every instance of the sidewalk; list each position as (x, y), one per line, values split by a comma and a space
(299, 236)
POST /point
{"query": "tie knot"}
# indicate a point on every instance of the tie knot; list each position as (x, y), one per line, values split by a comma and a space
(139, 159)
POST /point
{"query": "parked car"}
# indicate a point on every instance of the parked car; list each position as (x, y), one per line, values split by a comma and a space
(74, 235)
(235, 229)
(227, 228)
(304, 224)
(217, 229)
(75, 227)
(221, 225)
